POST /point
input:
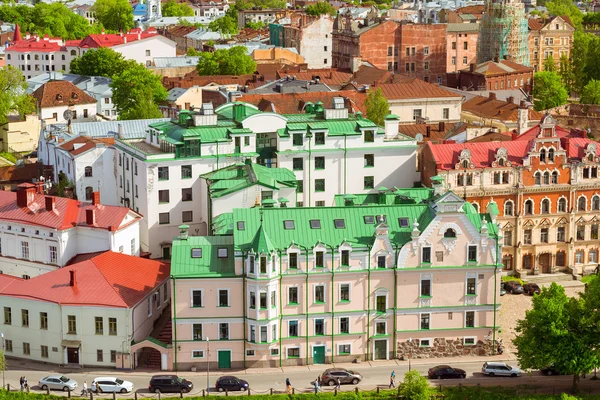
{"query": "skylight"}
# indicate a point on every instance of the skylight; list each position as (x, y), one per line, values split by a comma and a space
(196, 253)
(369, 219)
(241, 225)
(289, 224)
(315, 224)
(339, 224)
(403, 222)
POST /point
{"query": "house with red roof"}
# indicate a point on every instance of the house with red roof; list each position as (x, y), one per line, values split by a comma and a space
(544, 187)
(87, 314)
(61, 101)
(41, 233)
(35, 55)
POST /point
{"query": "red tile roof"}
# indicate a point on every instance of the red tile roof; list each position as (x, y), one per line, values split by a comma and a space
(115, 39)
(487, 107)
(110, 280)
(32, 44)
(193, 79)
(67, 214)
(482, 154)
(293, 103)
(81, 144)
(502, 67)
(575, 147)
(413, 88)
(61, 93)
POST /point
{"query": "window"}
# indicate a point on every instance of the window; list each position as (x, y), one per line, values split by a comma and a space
(403, 222)
(369, 160)
(263, 334)
(345, 258)
(508, 238)
(472, 254)
(537, 178)
(339, 223)
(450, 233)
(319, 258)
(560, 234)
(527, 236)
(44, 321)
(465, 45)
(529, 207)
(579, 257)
(369, 182)
(297, 139)
(425, 287)
(293, 295)
(470, 319)
(319, 185)
(319, 162)
(319, 327)
(8, 346)
(381, 262)
(223, 298)
(293, 353)
(298, 164)
(132, 246)
(163, 218)
(263, 265)
(417, 113)
(344, 292)
(253, 333)
(596, 203)
(71, 324)
(26, 349)
(445, 113)
(88, 172)
(562, 205)
(369, 136)
(320, 138)
(551, 155)
(197, 331)
(380, 303)
(380, 328)
(288, 224)
(593, 256)
(293, 260)
(263, 300)
(545, 206)
(581, 206)
(471, 286)
(315, 224)
(7, 316)
(319, 294)
(544, 235)
(25, 318)
(223, 331)
(594, 232)
(186, 194)
(345, 325)
(53, 253)
(197, 298)
(163, 196)
(163, 173)
(344, 349)
(424, 321)
(24, 249)
(293, 328)
(426, 255)
(44, 350)
(426, 65)
(241, 225)
(200, 353)
(508, 208)
(112, 326)
(580, 232)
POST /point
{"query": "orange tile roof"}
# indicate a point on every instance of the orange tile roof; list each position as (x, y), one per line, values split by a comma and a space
(413, 88)
(502, 67)
(496, 109)
(61, 93)
(81, 144)
(476, 9)
(328, 76)
(435, 133)
(293, 103)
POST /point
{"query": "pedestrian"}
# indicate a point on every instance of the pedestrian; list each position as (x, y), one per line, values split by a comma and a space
(25, 385)
(392, 385)
(288, 386)
(339, 383)
(84, 389)
(22, 382)
(316, 387)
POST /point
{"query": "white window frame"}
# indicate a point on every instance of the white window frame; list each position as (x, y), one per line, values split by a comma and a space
(349, 292)
(290, 348)
(423, 246)
(324, 326)
(419, 322)
(250, 326)
(512, 208)
(381, 322)
(192, 353)
(192, 297)
(276, 349)
(465, 319)
(228, 330)
(315, 293)
(219, 298)
(298, 294)
(469, 344)
(344, 344)
(471, 275)
(203, 332)
(476, 254)
(428, 345)
(340, 325)
(149, 306)
(250, 353)
(288, 328)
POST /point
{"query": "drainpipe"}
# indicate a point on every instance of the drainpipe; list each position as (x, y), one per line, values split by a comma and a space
(175, 319)
(345, 151)
(368, 300)
(280, 309)
(332, 303)
(217, 154)
(306, 300)
(244, 286)
(132, 184)
(309, 136)
(495, 289)
(395, 297)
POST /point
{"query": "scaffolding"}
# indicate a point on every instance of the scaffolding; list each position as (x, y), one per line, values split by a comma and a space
(503, 32)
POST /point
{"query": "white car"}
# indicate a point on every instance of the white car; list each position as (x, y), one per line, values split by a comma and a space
(110, 384)
(58, 382)
(500, 369)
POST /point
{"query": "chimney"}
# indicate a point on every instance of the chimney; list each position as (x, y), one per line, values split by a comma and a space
(50, 203)
(391, 123)
(120, 131)
(25, 194)
(442, 126)
(95, 198)
(90, 217)
(514, 136)
(511, 100)
(522, 117)
(73, 278)
(492, 96)
(39, 187)
(472, 67)
(183, 232)
(428, 130)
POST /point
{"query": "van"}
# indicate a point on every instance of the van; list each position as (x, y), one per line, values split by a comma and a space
(500, 369)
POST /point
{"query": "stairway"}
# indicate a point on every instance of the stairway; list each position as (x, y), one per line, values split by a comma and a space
(166, 334)
(547, 278)
(153, 360)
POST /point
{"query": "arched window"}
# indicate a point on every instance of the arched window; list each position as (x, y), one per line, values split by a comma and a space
(543, 155)
(529, 207)
(465, 164)
(546, 178)
(73, 53)
(88, 172)
(591, 157)
(562, 205)
(545, 206)
(501, 162)
(450, 233)
(89, 192)
(508, 208)
(581, 203)
(537, 178)
(551, 155)
(596, 203)
(554, 178)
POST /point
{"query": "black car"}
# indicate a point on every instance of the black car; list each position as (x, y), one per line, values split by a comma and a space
(531, 289)
(550, 371)
(169, 383)
(231, 383)
(513, 287)
(446, 372)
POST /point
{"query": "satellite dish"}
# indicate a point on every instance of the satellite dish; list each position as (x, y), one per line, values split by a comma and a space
(419, 137)
(68, 114)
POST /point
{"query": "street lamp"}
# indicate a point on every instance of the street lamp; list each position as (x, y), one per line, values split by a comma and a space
(207, 364)
(409, 352)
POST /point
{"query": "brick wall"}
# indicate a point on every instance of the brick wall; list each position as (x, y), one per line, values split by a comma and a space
(456, 50)
(377, 43)
(430, 44)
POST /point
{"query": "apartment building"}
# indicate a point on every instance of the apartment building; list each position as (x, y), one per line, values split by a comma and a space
(300, 286)
(61, 101)
(545, 185)
(461, 45)
(549, 38)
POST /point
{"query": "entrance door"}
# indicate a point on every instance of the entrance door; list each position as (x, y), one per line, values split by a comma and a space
(545, 263)
(73, 355)
(319, 355)
(224, 359)
(380, 349)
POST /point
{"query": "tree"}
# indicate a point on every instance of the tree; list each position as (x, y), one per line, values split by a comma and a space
(322, 7)
(591, 93)
(134, 85)
(232, 61)
(566, 7)
(579, 59)
(174, 9)
(377, 106)
(415, 387)
(567, 75)
(224, 25)
(13, 95)
(192, 52)
(116, 15)
(549, 64)
(255, 25)
(548, 91)
(144, 108)
(557, 331)
(103, 61)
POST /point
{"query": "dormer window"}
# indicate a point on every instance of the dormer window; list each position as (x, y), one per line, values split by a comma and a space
(501, 162)
(59, 97)
(465, 164)
(74, 96)
(450, 233)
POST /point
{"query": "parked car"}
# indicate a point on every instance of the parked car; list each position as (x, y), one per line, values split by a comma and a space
(531, 289)
(331, 375)
(502, 290)
(513, 287)
(110, 384)
(58, 382)
(446, 372)
(499, 369)
(231, 383)
(550, 370)
(169, 383)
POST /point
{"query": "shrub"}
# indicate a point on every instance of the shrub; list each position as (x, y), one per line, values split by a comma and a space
(511, 278)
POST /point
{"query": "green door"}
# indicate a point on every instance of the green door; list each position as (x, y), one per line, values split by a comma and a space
(319, 355)
(380, 349)
(224, 359)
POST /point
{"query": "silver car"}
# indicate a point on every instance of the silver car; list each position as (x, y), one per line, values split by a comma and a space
(58, 382)
(110, 384)
(500, 369)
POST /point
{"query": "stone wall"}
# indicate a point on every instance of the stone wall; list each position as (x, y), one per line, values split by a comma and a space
(442, 348)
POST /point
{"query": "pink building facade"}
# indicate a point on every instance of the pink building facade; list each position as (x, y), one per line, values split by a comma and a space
(399, 278)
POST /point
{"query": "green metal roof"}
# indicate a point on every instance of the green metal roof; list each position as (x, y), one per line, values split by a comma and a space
(223, 224)
(394, 196)
(261, 242)
(209, 264)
